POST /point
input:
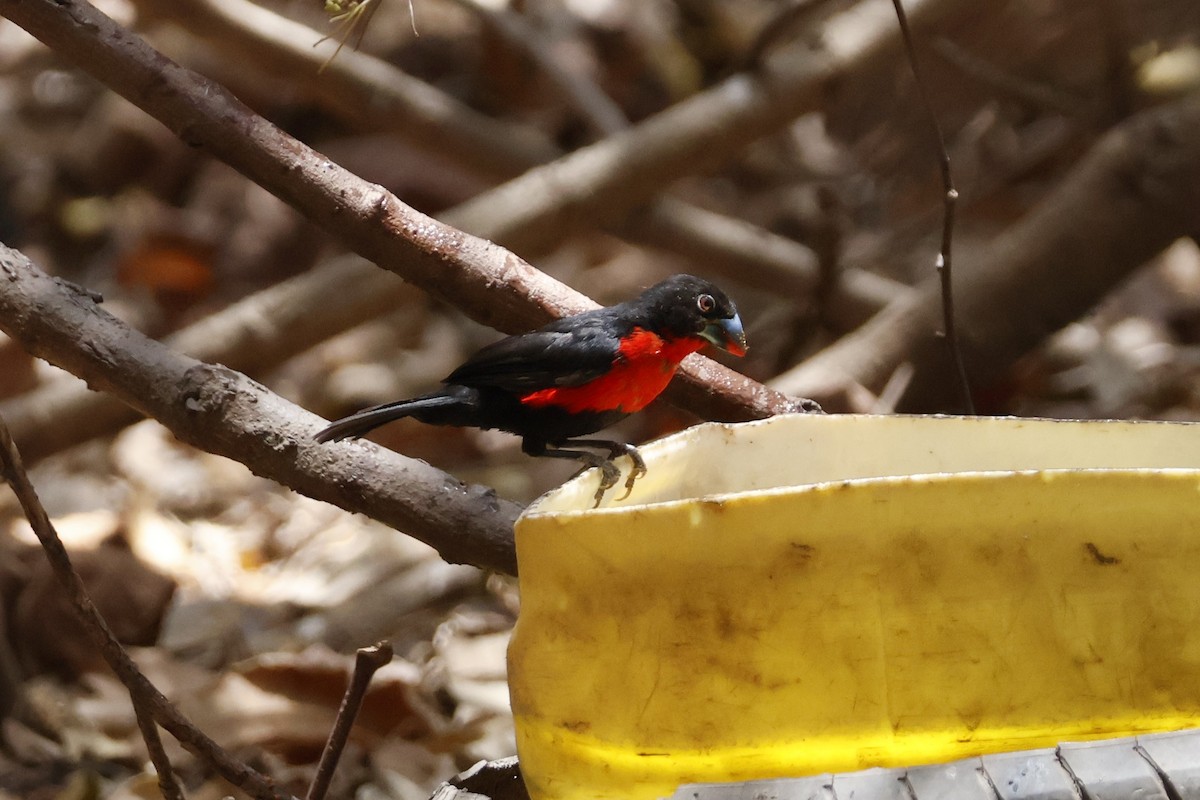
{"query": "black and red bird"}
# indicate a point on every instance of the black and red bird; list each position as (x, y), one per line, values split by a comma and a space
(575, 376)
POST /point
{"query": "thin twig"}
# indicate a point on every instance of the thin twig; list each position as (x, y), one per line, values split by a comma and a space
(950, 202)
(158, 756)
(144, 695)
(366, 664)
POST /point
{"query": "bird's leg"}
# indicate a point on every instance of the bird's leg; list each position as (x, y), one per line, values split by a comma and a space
(609, 472)
(615, 450)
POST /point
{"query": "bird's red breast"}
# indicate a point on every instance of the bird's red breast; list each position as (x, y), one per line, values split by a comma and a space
(644, 366)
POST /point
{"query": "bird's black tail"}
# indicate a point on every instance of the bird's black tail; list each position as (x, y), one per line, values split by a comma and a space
(370, 418)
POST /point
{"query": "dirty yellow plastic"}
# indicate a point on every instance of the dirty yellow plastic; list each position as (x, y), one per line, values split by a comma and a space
(826, 593)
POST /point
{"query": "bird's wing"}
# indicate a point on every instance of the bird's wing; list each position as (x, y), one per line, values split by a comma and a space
(569, 352)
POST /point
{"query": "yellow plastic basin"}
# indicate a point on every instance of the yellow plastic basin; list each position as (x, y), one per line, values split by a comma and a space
(826, 593)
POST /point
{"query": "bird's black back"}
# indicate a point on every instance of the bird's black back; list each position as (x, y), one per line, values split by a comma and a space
(574, 350)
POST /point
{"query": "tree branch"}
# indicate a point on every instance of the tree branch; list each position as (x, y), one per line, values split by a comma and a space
(251, 335)
(367, 661)
(216, 409)
(945, 269)
(167, 785)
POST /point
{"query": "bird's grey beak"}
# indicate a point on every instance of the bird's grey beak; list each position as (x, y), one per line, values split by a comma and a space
(726, 334)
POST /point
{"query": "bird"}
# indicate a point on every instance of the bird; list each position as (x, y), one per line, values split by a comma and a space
(575, 376)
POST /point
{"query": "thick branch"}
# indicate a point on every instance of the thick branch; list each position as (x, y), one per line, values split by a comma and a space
(1135, 193)
(219, 410)
(254, 334)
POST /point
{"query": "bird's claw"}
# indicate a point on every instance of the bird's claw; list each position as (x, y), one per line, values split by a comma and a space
(610, 473)
(639, 470)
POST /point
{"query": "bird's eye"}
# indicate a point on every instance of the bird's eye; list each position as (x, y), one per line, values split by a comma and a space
(706, 303)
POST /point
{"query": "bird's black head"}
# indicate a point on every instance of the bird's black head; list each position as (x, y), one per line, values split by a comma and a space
(684, 305)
